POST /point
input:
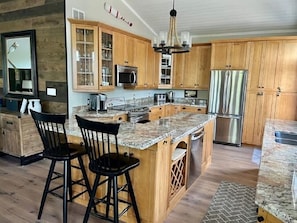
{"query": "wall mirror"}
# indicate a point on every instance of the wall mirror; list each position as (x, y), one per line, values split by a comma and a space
(19, 64)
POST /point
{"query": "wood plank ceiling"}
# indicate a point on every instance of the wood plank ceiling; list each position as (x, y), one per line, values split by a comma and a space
(220, 17)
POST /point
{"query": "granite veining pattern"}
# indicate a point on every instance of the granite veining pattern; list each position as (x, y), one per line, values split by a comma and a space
(142, 136)
(278, 161)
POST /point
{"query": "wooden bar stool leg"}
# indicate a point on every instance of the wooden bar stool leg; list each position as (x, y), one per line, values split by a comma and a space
(46, 188)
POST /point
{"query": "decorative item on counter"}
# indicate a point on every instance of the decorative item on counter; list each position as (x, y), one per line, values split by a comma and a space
(115, 13)
(35, 105)
(24, 105)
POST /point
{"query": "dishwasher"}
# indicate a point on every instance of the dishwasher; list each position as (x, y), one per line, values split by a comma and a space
(196, 149)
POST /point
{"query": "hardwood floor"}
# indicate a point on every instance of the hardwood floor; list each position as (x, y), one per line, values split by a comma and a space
(21, 189)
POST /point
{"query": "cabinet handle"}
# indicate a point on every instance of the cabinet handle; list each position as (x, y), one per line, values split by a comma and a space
(164, 142)
(184, 108)
(260, 93)
(9, 123)
(279, 89)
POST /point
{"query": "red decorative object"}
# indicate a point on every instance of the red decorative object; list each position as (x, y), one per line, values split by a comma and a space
(115, 13)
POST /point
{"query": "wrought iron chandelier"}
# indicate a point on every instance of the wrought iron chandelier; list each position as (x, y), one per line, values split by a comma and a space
(168, 43)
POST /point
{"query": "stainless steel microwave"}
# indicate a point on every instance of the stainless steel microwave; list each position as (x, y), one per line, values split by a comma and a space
(126, 75)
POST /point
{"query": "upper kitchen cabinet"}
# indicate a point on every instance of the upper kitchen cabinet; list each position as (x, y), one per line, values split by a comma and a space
(106, 79)
(85, 57)
(263, 65)
(231, 55)
(192, 70)
(150, 78)
(287, 63)
(124, 49)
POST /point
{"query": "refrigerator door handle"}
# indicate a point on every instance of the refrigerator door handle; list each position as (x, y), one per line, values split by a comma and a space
(227, 95)
(224, 93)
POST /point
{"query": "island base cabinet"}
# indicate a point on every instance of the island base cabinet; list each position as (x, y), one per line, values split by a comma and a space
(207, 145)
(150, 181)
(266, 217)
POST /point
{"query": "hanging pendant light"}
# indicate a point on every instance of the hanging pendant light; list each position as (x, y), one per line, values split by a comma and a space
(168, 43)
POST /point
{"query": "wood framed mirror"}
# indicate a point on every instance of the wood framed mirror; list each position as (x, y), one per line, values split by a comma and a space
(19, 64)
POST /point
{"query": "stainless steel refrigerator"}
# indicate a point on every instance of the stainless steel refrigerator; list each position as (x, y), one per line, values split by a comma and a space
(226, 100)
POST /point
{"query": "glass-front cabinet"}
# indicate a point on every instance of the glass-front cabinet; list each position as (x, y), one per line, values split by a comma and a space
(165, 78)
(106, 80)
(85, 57)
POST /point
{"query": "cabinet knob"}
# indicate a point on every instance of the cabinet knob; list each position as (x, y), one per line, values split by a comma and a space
(260, 219)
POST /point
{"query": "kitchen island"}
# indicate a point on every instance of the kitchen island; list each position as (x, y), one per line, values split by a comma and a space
(160, 180)
(274, 195)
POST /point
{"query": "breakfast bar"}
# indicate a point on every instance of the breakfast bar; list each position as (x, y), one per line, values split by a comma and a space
(160, 180)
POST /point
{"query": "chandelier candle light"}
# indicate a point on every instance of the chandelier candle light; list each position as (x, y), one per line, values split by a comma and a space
(171, 44)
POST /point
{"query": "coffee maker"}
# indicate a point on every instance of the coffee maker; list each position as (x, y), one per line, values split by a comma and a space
(98, 102)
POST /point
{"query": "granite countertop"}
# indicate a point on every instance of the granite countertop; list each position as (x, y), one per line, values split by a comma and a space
(278, 161)
(142, 136)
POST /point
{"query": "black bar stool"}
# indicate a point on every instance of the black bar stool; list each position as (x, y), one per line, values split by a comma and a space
(101, 143)
(51, 128)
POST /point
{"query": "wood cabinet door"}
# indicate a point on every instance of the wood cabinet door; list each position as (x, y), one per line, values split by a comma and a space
(123, 49)
(229, 55)
(190, 74)
(255, 64)
(140, 58)
(286, 106)
(179, 69)
(11, 135)
(237, 56)
(152, 68)
(203, 66)
(268, 72)
(85, 57)
(259, 106)
(219, 55)
(288, 66)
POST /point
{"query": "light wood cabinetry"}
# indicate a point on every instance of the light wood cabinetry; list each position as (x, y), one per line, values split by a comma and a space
(263, 65)
(151, 75)
(157, 112)
(207, 146)
(285, 106)
(192, 70)
(287, 64)
(259, 106)
(266, 217)
(85, 57)
(193, 109)
(229, 55)
(124, 49)
(272, 86)
(19, 136)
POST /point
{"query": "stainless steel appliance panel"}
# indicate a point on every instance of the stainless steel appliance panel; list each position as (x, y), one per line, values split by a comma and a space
(195, 156)
(227, 92)
(228, 130)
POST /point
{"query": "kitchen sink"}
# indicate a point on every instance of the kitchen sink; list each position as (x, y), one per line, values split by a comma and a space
(284, 137)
